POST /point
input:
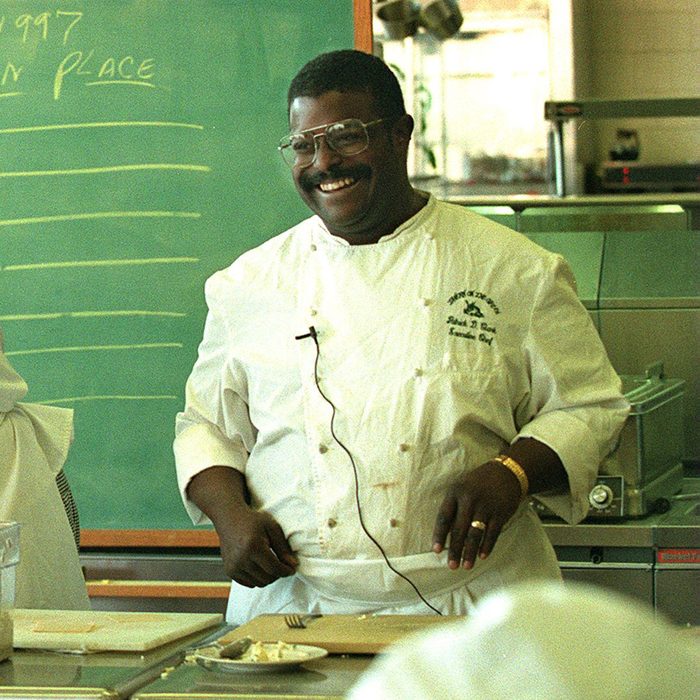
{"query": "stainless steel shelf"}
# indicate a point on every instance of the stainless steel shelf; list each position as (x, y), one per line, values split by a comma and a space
(609, 109)
(560, 112)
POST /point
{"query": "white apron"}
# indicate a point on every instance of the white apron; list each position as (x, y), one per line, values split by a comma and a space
(34, 443)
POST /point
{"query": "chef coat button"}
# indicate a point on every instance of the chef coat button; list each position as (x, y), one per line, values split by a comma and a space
(394, 522)
(312, 312)
(429, 237)
(313, 246)
(332, 522)
(403, 447)
(417, 372)
(426, 302)
(322, 449)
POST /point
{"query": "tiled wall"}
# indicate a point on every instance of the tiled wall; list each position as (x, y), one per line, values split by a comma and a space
(639, 49)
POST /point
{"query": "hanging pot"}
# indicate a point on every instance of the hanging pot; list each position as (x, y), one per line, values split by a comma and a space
(398, 17)
(442, 18)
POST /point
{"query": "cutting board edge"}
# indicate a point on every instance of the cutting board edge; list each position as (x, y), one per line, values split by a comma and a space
(26, 639)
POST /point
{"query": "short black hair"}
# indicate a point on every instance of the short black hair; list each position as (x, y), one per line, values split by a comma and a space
(350, 71)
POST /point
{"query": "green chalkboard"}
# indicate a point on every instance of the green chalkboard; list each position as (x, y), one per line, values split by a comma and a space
(137, 156)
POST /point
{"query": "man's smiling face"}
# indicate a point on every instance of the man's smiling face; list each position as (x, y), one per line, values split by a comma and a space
(356, 196)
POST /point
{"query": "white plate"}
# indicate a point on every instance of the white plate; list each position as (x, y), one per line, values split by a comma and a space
(293, 655)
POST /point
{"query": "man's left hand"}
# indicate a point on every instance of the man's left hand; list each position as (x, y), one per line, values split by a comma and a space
(488, 496)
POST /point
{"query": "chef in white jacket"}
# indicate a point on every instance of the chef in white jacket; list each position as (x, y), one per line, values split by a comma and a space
(34, 444)
(380, 388)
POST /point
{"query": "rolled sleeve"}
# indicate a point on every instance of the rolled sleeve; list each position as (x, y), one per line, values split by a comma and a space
(214, 429)
(570, 435)
(576, 406)
(198, 447)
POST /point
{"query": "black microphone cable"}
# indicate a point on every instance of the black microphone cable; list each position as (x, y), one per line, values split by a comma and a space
(314, 336)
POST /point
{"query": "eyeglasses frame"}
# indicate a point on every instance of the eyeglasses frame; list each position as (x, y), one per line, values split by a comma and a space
(325, 127)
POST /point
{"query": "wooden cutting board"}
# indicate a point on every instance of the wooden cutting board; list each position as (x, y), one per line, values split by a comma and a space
(78, 630)
(340, 634)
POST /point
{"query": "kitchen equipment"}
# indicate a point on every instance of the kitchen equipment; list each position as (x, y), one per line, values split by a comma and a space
(339, 634)
(626, 176)
(649, 311)
(558, 113)
(398, 17)
(626, 146)
(442, 18)
(9, 558)
(645, 469)
(83, 631)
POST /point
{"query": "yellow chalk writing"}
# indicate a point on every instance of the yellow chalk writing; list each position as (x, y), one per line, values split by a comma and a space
(11, 72)
(44, 24)
(84, 216)
(111, 397)
(98, 263)
(77, 16)
(127, 69)
(96, 125)
(107, 169)
(90, 348)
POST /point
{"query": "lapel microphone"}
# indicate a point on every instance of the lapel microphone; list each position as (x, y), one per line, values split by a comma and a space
(310, 334)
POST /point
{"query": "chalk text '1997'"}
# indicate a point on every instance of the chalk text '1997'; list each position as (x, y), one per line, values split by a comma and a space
(42, 25)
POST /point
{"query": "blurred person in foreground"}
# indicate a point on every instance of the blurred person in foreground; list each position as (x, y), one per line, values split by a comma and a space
(381, 388)
(34, 444)
(547, 640)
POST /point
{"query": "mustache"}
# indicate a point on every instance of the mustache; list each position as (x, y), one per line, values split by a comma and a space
(310, 180)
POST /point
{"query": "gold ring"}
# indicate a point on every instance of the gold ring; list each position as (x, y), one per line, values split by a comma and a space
(478, 524)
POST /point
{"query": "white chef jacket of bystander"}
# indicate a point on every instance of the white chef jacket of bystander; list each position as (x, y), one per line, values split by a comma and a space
(34, 443)
(542, 640)
(438, 346)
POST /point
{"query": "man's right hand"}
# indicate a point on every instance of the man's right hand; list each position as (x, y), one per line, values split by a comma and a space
(254, 548)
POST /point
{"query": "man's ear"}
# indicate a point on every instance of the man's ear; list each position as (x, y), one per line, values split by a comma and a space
(402, 130)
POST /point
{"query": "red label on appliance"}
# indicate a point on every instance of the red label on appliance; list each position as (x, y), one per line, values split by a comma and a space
(678, 556)
(552, 110)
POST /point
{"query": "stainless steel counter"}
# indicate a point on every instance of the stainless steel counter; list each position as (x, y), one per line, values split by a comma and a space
(325, 679)
(519, 202)
(105, 675)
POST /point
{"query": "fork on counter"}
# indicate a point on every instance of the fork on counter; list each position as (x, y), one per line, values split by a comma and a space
(298, 622)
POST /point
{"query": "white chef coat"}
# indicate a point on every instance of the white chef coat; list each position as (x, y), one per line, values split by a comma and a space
(34, 443)
(438, 346)
(532, 641)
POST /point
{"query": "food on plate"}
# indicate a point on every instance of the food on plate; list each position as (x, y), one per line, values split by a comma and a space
(261, 652)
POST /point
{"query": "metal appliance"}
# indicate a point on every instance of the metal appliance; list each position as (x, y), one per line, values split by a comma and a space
(640, 177)
(642, 291)
(645, 470)
(558, 113)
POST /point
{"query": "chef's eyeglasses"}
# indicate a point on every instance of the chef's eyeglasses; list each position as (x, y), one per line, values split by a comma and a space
(347, 137)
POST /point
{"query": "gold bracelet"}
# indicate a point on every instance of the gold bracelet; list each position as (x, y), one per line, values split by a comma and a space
(510, 464)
